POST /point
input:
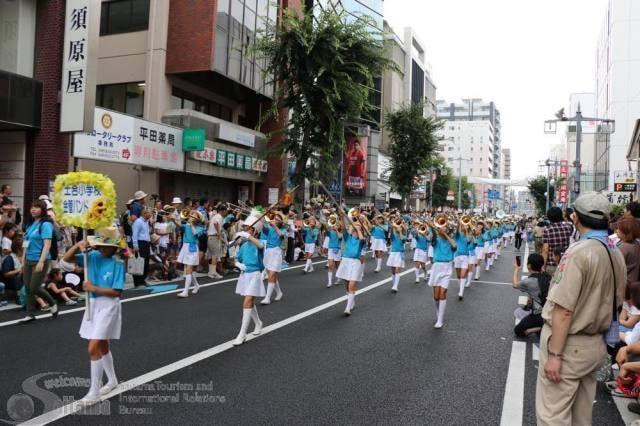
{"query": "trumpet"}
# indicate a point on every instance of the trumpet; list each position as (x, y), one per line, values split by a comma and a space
(332, 221)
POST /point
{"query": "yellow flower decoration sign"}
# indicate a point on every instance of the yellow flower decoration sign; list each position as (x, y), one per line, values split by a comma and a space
(84, 199)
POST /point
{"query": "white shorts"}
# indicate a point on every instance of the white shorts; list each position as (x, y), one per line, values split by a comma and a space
(396, 259)
(472, 259)
(461, 262)
(188, 258)
(325, 243)
(350, 269)
(309, 248)
(251, 284)
(378, 244)
(106, 319)
(420, 256)
(440, 274)
(430, 251)
(273, 259)
(335, 255)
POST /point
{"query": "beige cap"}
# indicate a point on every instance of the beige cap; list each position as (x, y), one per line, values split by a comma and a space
(593, 205)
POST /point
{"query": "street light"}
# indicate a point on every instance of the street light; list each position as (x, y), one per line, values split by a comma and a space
(551, 127)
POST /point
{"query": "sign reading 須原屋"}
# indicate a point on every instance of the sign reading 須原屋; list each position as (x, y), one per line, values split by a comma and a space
(125, 139)
(81, 22)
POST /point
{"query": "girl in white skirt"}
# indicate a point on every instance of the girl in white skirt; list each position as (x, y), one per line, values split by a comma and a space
(311, 233)
(249, 260)
(420, 255)
(443, 248)
(350, 269)
(396, 256)
(275, 233)
(488, 248)
(379, 241)
(473, 260)
(189, 254)
(104, 285)
(480, 248)
(334, 254)
(461, 256)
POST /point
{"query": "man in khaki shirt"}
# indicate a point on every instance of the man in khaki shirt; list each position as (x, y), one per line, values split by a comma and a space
(577, 313)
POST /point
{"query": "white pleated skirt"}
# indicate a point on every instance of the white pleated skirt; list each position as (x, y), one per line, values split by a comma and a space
(309, 247)
(461, 262)
(378, 244)
(420, 256)
(335, 255)
(188, 258)
(106, 319)
(440, 274)
(396, 259)
(350, 269)
(325, 243)
(273, 259)
(251, 284)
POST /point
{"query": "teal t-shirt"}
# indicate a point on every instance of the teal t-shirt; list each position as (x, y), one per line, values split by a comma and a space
(104, 272)
(35, 235)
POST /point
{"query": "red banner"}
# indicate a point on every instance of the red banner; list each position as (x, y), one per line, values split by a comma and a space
(355, 176)
(564, 173)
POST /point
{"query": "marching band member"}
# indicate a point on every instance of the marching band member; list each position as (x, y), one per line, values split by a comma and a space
(480, 248)
(443, 248)
(473, 259)
(489, 247)
(396, 256)
(350, 269)
(249, 260)
(495, 235)
(275, 233)
(311, 233)
(334, 254)
(421, 252)
(461, 256)
(189, 256)
(104, 284)
(378, 241)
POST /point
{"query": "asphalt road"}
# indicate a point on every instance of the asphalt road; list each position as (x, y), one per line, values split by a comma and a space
(385, 364)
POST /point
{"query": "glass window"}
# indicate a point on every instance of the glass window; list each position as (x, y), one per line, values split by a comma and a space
(124, 16)
(222, 20)
(176, 102)
(248, 35)
(235, 48)
(127, 98)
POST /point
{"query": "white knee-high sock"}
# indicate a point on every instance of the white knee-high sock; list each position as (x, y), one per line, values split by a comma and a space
(351, 300)
(308, 265)
(246, 320)
(107, 364)
(396, 281)
(418, 274)
(270, 288)
(97, 369)
(330, 277)
(462, 282)
(194, 280)
(441, 309)
(379, 263)
(469, 277)
(187, 283)
(478, 271)
(437, 304)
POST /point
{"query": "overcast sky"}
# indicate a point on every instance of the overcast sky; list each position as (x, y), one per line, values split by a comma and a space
(526, 56)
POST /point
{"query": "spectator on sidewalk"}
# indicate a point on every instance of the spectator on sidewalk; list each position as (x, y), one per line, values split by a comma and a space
(632, 210)
(628, 232)
(138, 204)
(556, 235)
(59, 290)
(141, 239)
(590, 282)
(215, 239)
(8, 233)
(536, 286)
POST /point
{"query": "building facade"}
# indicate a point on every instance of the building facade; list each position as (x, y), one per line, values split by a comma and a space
(617, 83)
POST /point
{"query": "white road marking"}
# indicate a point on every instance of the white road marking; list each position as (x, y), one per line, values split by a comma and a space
(147, 296)
(513, 404)
(493, 282)
(74, 407)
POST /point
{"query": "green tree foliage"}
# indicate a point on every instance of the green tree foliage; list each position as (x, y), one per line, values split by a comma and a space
(325, 65)
(537, 187)
(413, 143)
(447, 181)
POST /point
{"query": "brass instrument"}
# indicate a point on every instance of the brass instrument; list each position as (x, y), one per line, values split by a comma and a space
(423, 229)
(185, 213)
(332, 221)
(500, 214)
(169, 208)
(465, 220)
(441, 221)
(195, 217)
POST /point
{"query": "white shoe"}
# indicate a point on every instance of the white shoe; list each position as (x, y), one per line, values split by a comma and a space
(27, 319)
(311, 269)
(195, 289)
(329, 285)
(347, 312)
(265, 301)
(438, 325)
(89, 400)
(239, 340)
(376, 270)
(279, 296)
(395, 290)
(107, 388)
(258, 329)
(183, 294)
(54, 310)
(417, 280)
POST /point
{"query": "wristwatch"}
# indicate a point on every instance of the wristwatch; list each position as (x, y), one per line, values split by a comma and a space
(554, 354)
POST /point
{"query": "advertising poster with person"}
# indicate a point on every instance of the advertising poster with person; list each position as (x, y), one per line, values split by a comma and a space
(355, 176)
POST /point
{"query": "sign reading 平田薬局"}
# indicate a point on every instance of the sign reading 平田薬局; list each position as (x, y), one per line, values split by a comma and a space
(84, 199)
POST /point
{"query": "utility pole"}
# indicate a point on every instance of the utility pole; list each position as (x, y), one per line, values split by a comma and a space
(547, 163)
(460, 180)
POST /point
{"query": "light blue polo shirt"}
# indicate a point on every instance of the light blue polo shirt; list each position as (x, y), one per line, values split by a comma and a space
(104, 272)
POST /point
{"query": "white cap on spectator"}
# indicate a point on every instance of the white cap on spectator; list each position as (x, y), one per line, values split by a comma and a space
(139, 195)
(176, 200)
(44, 198)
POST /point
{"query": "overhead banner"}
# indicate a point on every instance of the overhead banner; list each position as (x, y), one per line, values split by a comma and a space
(355, 173)
(564, 174)
(122, 138)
